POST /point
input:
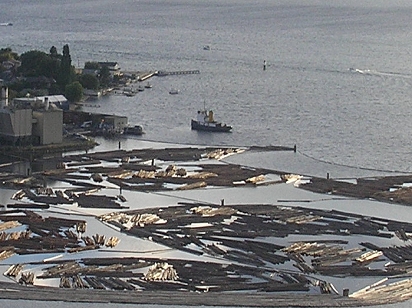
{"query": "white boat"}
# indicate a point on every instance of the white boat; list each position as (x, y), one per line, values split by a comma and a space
(148, 85)
(129, 93)
(174, 91)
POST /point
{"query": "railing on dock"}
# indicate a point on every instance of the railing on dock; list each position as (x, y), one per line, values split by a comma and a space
(165, 73)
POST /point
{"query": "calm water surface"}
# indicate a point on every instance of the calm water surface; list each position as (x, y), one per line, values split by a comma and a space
(338, 82)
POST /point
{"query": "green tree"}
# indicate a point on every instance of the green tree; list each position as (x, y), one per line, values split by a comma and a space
(49, 67)
(31, 63)
(53, 52)
(74, 92)
(104, 76)
(8, 54)
(66, 75)
(92, 65)
(36, 63)
(89, 81)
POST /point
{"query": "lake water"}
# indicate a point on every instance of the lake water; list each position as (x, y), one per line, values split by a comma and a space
(338, 81)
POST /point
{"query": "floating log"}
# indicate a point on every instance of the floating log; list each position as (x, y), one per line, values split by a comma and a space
(112, 241)
(78, 282)
(84, 248)
(161, 271)
(255, 179)
(14, 270)
(28, 206)
(6, 253)
(369, 256)
(27, 278)
(9, 225)
(192, 186)
(94, 283)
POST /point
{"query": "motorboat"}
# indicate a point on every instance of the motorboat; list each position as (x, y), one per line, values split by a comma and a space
(206, 122)
(133, 130)
(129, 93)
(174, 91)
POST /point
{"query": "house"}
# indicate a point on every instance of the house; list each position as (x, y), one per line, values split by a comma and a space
(8, 69)
(114, 68)
(90, 71)
(11, 64)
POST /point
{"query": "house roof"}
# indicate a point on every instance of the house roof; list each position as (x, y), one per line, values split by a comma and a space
(53, 98)
(111, 64)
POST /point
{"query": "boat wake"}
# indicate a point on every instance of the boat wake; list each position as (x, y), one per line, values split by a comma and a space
(378, 73)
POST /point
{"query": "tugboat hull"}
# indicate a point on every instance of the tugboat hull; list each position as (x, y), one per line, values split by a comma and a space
(211, 127)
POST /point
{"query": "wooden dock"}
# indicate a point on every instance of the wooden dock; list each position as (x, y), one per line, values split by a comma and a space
(159, 297)
(166, 73)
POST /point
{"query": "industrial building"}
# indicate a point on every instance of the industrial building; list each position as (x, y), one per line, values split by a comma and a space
(29, 121)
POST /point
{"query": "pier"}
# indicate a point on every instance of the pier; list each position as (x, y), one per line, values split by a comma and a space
(165, 73)
(161, 297)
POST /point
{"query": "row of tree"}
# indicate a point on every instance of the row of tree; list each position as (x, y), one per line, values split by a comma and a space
(53, 73)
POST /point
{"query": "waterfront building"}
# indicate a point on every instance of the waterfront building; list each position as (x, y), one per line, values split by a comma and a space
(30, 121)
(47, 125)
(113, 67)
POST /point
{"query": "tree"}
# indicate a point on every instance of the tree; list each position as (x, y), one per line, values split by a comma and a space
(7, 54)
(74, 92)
(53, 52)
(66, 75)
(31, 63)
(49, 67)
(105, 76)
(92, 65)
(89, 81)
(37, 63)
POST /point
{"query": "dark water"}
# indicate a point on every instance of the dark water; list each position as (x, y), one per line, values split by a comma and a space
(337, 83)
(307, 96)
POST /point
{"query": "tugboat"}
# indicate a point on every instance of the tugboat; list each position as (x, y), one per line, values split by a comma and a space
(205, 122)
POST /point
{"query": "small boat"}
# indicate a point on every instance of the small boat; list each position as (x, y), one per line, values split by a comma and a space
(206, 47)
(174, 91)
(205, 122)
(140, 88)
(133, 130)
(148, 85)
(130, 94)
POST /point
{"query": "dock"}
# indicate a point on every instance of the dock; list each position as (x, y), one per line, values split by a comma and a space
(160, 297)
(166, 73)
